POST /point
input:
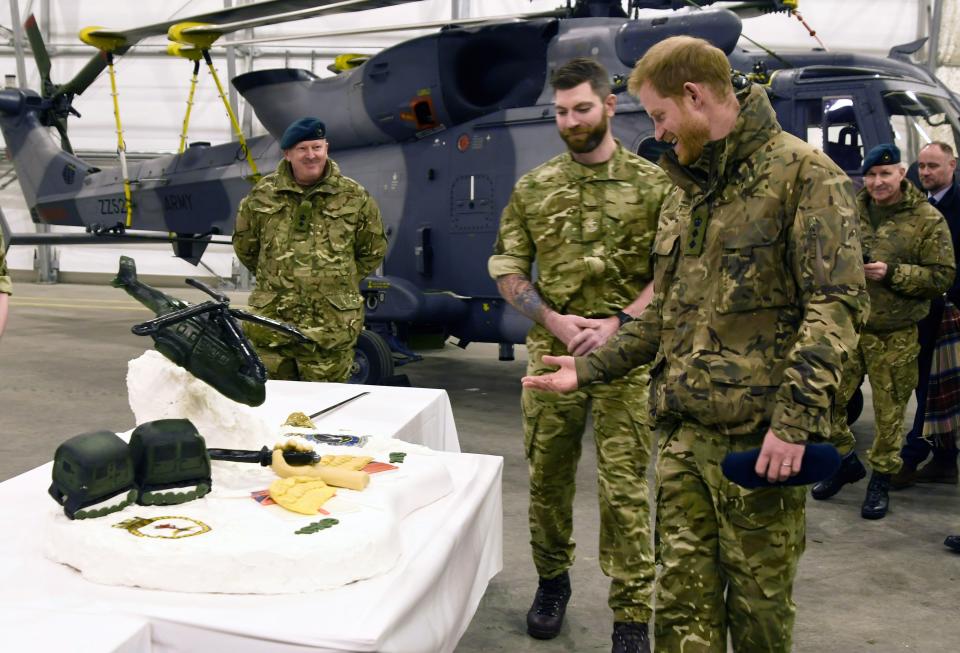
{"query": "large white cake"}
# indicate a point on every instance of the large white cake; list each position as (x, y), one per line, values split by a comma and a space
(229, 541)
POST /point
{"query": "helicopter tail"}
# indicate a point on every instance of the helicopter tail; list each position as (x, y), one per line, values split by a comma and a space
(127, 274)
(43, 167)
(158, 302)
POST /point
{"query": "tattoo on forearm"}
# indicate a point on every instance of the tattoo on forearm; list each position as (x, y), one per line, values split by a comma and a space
(521, 294)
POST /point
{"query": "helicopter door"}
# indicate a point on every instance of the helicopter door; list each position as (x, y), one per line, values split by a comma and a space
(832, 126)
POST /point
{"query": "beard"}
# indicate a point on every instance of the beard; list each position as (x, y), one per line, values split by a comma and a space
(585, 139)
(692, 139)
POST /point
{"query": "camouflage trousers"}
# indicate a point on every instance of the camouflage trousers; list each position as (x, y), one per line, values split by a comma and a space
(305, 362)
(553, 430)
(890, 362)
(729, 555)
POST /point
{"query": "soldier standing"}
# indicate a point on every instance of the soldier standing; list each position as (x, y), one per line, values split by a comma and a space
(310, 235)
(588, 218)
(936, 165)
(909, 260)
(759, 298)
(6, 288)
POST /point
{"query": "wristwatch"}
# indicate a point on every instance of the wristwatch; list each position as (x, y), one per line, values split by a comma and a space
(624, 317)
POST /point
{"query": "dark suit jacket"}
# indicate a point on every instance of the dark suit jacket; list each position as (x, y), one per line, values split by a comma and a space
(949, 206)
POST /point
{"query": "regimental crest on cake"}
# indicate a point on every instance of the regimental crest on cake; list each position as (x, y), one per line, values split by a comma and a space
(164, 528)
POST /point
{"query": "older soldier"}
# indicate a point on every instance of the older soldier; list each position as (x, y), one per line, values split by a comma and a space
(759, 295)
(936, 165)
(909, 254)
(588, 218)
(6, 288)
(310, 235)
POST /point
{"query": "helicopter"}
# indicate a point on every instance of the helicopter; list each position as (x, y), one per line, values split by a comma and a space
(438, 128)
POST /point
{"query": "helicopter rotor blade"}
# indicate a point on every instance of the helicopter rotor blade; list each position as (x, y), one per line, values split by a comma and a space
(379, 29)
(61, 125)
(90, 71)
(314, 10)
(40, 54)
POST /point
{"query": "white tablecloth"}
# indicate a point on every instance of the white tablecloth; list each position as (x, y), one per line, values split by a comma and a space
(417, 415)
(452, 548)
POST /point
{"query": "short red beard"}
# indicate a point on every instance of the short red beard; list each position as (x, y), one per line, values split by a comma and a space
(693, 137)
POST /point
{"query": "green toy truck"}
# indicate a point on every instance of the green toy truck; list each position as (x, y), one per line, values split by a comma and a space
(95, 474)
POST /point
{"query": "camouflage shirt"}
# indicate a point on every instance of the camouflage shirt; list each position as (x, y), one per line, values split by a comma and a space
(5, 285)
(913, 239)
(589, 228)
(760, 292)
(309, 248)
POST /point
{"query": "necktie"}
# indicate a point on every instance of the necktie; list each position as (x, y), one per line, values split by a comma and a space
(932, 200)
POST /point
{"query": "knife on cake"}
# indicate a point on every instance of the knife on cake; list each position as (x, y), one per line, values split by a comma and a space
(265, 456)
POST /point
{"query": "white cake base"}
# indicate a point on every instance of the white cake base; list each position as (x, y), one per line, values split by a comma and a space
(253, 548)
(228, 542)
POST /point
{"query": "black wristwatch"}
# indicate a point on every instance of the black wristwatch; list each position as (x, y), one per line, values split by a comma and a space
(624, 317)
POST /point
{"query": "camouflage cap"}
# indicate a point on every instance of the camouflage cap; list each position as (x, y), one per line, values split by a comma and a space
(305, 129)
(820, 461)
(882, 155)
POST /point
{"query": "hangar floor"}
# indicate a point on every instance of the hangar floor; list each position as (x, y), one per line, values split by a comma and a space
(863, 586)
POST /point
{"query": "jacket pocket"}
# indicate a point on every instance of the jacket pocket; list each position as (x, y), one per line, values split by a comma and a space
(665, 249)
(741, 390)
(753, 268)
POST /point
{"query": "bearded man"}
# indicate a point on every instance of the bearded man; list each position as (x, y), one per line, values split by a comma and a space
(588, 218)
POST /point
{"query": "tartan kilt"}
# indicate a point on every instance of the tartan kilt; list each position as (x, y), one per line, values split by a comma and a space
(941, 416)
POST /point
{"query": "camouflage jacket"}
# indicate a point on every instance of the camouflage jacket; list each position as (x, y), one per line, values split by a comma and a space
(760, 293)
(5, 285)
(913, 239)
(589, 228)
(309, 248)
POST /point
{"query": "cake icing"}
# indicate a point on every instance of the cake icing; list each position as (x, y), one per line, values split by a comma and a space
(232, 541)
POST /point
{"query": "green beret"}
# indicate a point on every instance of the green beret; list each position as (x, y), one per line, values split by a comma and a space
(305, 129)
(884, 154)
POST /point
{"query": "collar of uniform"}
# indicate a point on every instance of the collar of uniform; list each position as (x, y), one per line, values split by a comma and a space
(613, 168)
(911, 199)
(286, 182)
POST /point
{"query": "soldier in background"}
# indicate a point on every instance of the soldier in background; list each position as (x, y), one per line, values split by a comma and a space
(908, 256)
(310, 235)
(759, 296)
(6, 288)
(587, 217)
(936, 165)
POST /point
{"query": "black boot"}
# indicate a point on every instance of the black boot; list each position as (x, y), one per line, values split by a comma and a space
(629, 637)
(851, 470)
(952, 542)
(546, 614)
(877, 500)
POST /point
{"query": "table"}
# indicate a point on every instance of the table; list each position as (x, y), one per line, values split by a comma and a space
(452, 547)
(417, 415)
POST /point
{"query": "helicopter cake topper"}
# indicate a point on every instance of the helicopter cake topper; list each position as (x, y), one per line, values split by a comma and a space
(205, 339)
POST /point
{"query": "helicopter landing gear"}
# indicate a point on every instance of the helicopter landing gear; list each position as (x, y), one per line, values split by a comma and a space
(372, 360)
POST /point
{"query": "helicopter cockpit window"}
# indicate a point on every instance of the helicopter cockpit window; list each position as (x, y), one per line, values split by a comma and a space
(832, 126)
(918, 119)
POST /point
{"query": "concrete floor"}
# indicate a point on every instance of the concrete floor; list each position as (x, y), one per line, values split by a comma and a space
(863, 586)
